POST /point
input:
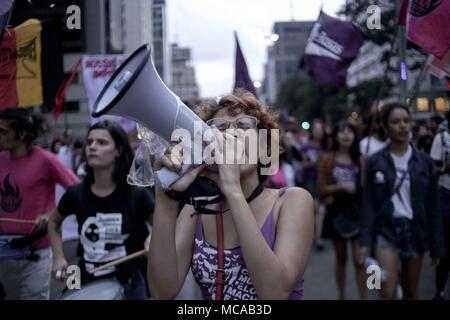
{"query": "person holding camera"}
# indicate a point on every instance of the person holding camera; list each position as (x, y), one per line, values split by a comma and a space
(257, 243)
(400, 219)
(440, 153)
(339, 183)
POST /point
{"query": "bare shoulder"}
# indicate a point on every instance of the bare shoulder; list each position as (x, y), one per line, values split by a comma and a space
(297, 202)
(296, 195)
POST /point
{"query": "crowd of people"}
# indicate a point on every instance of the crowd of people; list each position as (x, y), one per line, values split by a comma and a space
(380, 188)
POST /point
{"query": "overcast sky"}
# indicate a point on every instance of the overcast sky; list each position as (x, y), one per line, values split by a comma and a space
(206, 26)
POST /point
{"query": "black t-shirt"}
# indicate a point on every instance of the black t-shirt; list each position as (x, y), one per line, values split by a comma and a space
(109, 228)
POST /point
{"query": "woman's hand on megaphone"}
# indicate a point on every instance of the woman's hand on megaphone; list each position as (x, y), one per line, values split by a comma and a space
(173, 160)
(230, 144)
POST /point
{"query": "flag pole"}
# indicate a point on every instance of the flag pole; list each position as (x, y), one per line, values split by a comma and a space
(415, 90)
(402, 56)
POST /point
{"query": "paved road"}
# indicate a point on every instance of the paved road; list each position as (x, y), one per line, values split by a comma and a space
(319, 279)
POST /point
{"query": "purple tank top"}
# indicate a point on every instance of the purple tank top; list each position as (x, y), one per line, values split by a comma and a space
(237, 284)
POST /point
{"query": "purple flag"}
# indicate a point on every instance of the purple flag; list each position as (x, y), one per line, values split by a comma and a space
(332, 45)
(5, 11)
(242, 78)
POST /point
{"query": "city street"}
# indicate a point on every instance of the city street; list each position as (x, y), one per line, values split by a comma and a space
(320, 281)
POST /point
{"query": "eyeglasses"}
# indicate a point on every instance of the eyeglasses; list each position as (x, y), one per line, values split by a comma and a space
(244, 123)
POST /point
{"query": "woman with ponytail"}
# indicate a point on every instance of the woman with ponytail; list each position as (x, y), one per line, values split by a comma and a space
(28, 175)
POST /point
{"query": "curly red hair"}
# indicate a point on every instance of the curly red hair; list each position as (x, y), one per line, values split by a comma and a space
(241, 101)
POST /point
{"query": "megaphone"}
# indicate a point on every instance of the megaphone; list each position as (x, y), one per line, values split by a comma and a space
(136, 92)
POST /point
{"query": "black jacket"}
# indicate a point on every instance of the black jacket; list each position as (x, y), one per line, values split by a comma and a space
(376, 218)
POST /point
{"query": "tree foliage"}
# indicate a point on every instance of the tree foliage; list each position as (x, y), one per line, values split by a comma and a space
(306, 99)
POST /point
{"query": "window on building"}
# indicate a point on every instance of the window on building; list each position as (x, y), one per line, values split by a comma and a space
(441, 104)
(71, 106)
(423, 104)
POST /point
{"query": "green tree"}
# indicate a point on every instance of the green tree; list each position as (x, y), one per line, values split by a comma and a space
(307, 100)
(387, 36)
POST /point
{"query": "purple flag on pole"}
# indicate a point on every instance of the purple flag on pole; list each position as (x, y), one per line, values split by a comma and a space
(332, 45)
(5, 11)
(242, 78)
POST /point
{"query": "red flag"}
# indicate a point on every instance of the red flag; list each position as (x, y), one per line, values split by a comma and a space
(403, 13)
(62, 91)
(429, 25)
(21, 82)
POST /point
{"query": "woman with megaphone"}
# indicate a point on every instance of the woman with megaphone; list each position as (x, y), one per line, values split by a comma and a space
(256, 245)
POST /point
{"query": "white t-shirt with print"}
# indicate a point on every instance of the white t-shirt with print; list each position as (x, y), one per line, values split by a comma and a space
(402, 199)
(438, 153)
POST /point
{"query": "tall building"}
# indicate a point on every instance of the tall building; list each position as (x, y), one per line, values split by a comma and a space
(184, 84)
(138, 27)
(117, 26)
(433, 95)
(288, 44)
(107, 27)
(161, 53)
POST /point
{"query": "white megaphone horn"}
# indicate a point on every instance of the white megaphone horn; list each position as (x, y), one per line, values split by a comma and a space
(135, 91)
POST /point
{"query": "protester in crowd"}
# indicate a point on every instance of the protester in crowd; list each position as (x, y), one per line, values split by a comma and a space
(374, 139)
(339, 183)
(65, 152)
(290, 172)
(424, 139)
(112, 215)
(433, 123)
(311, 153)
(400, 218)
(56, 145)
(440, 153)
(267, 234)
(28, 175)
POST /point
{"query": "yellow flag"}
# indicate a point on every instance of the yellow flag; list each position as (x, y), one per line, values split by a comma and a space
(28, 63)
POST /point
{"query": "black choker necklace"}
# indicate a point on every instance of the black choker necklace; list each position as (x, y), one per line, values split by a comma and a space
(258, 190)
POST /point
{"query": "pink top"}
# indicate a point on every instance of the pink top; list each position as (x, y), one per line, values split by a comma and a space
(27, 189)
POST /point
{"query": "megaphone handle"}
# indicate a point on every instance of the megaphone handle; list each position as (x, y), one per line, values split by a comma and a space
(165, 177)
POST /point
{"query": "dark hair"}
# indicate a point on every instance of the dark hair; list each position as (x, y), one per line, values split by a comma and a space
(388, 108)
(354, 149)
(22, 121)
(123, 162)
(53, 146)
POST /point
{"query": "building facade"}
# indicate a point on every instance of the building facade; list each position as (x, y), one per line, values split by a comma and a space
(184, 83)
(107, 27)
(288, 43)
(433, 95)
(161, 49)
